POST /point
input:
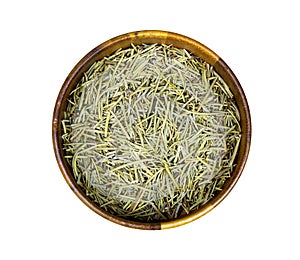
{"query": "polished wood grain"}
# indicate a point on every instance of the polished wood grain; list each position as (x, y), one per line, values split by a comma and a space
(149, 37)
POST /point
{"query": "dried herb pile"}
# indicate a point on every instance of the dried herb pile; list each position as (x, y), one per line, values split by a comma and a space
(151, 132)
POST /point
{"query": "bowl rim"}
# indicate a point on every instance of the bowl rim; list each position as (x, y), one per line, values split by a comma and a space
(161, 37)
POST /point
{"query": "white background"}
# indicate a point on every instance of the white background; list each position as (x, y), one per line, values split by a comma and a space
(41, 41)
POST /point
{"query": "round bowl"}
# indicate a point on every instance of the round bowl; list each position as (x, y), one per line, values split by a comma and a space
(151, 37)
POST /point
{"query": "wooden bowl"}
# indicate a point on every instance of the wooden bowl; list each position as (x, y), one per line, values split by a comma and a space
(150, 37)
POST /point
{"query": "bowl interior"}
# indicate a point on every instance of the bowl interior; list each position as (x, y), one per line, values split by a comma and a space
(151, 37)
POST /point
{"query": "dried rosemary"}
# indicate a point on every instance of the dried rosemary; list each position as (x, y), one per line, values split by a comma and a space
(151, 132)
